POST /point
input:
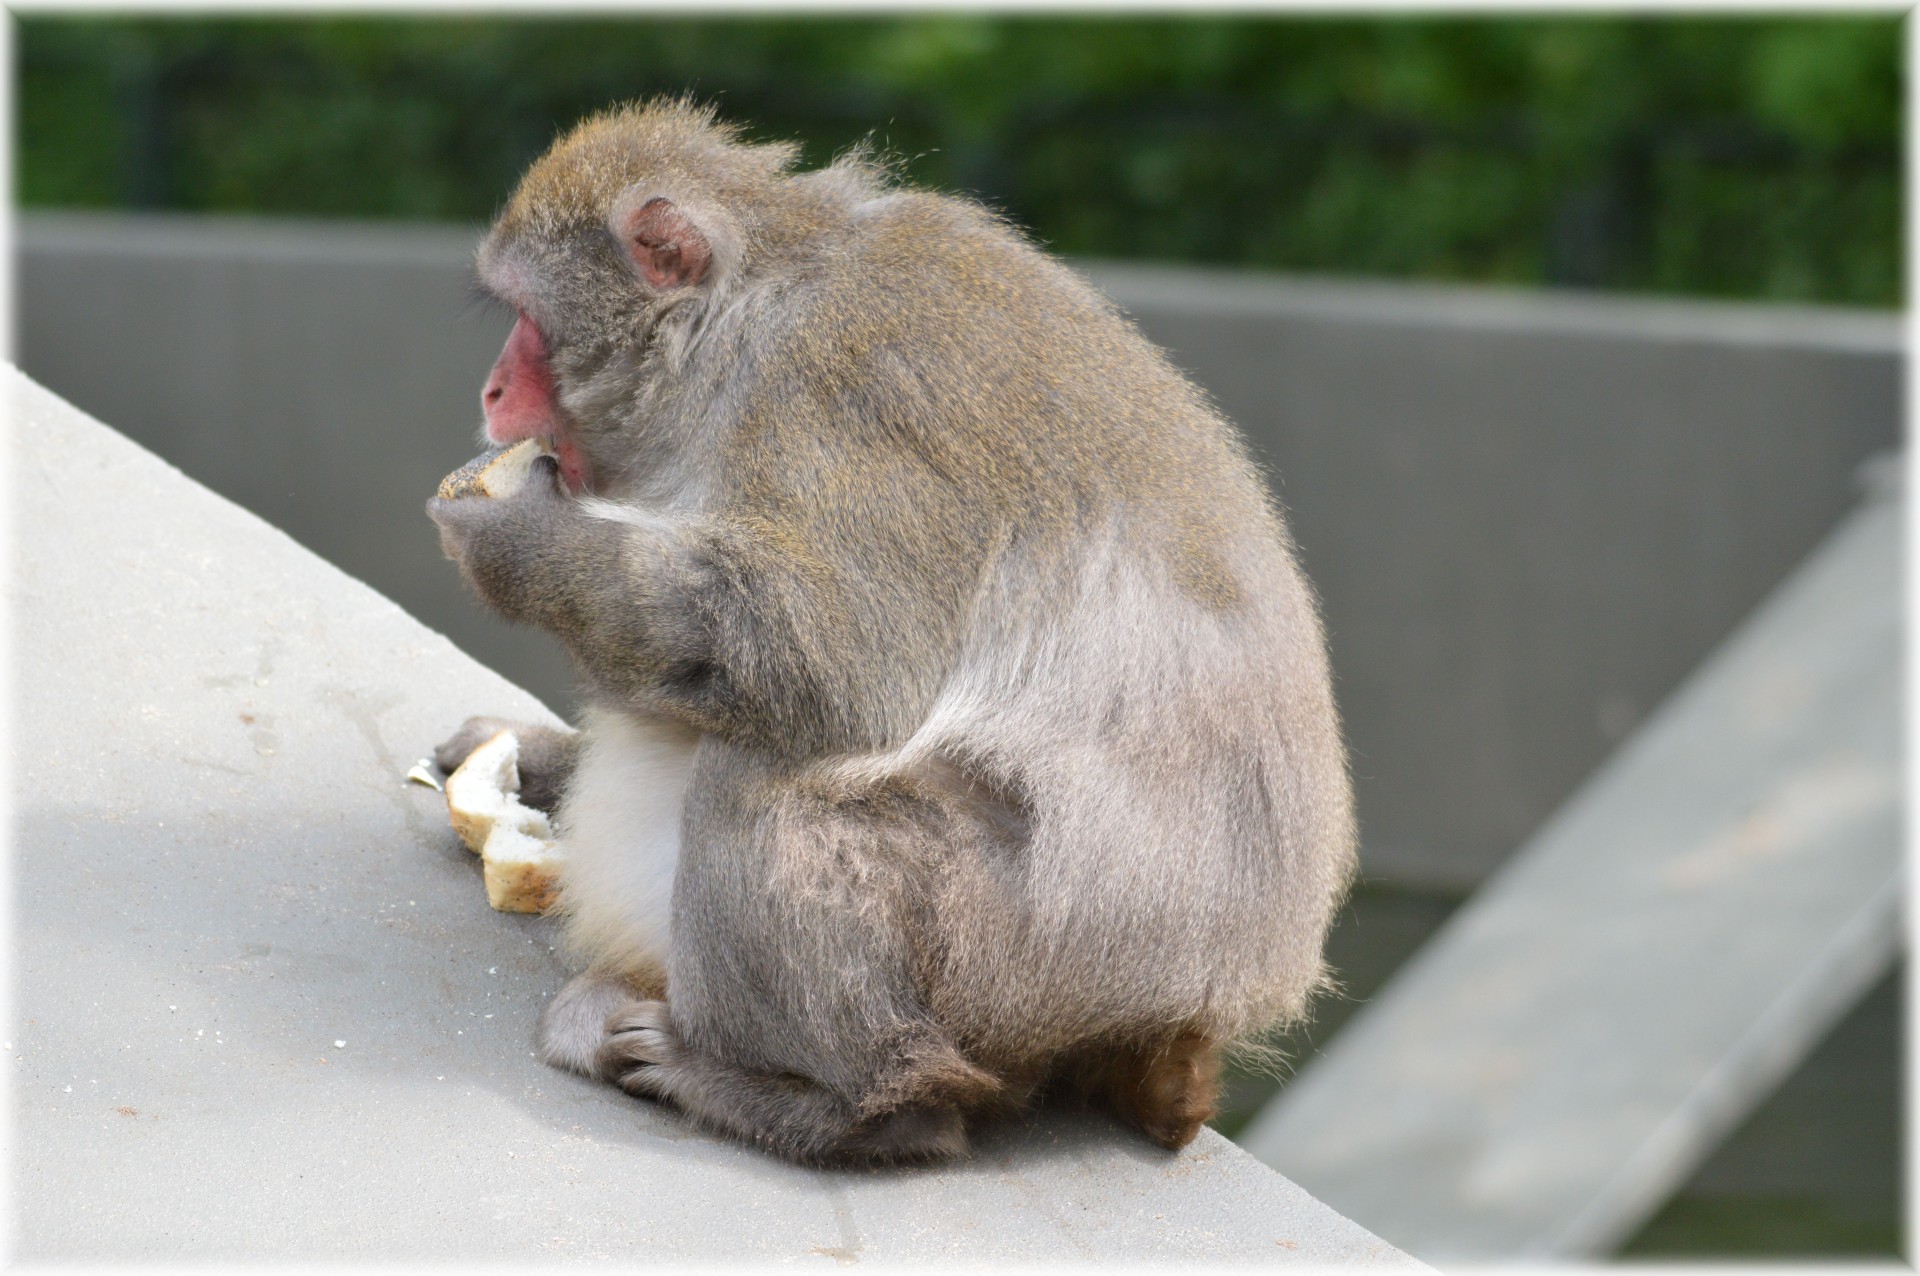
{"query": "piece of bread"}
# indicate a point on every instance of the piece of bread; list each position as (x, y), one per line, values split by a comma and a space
(498, 473)
(520, 860)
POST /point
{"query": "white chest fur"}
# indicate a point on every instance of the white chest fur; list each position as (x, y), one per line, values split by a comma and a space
(620, 825)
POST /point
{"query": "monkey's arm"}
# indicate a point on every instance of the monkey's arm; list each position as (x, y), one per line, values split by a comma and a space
(723, 623)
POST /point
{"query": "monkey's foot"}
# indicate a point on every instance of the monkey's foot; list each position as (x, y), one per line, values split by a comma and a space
(473, 733)
(639, 1047)
(546, 760)
(574, 1025)
(784, 1113)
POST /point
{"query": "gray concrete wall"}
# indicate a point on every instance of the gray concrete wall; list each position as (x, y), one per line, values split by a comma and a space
(1528, 515)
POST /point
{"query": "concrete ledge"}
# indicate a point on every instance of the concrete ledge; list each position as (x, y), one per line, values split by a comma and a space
(1586, 1029)
(263, 1011)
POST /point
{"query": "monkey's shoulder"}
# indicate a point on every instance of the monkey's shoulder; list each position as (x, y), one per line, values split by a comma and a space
(933, 255)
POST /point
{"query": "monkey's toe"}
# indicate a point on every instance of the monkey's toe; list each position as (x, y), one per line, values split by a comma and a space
(640, 1040)
(473, 733)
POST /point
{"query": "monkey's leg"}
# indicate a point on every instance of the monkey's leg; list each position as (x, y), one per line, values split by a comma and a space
(789, 1114)
(573, 1027)
(804, 959)
(547, 756)
(1169, 1089)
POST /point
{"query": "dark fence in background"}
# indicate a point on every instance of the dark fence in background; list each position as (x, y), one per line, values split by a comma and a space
(1741, 157)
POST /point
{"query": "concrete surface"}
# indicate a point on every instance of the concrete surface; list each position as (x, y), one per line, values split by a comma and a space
(1529, 515)
(1578, 1038)
(262, 1010)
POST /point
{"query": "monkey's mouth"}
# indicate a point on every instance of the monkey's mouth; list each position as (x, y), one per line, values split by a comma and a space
(521, 402)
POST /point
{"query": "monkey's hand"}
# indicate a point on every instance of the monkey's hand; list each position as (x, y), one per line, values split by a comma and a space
(695, 617)
(510, 548)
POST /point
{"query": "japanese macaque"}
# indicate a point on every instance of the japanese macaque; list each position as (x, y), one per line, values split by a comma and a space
(959, 723)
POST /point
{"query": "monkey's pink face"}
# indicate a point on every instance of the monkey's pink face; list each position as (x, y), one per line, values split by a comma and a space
(520, 403)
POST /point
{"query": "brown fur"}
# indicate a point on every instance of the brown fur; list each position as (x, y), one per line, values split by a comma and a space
(950, 667)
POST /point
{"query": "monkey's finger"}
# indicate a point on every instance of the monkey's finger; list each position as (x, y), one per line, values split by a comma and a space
(457, 525)
(544, 482)
(459, 513)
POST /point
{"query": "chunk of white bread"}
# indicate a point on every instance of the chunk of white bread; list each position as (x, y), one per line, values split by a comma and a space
(499, 473)
(519, 857)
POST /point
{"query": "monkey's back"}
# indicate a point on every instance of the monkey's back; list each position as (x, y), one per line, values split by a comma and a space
(1083, 623)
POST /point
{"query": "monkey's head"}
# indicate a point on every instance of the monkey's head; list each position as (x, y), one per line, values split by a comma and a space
(640, 217)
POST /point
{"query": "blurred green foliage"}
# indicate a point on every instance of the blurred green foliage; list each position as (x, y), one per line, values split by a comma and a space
(1742, 157)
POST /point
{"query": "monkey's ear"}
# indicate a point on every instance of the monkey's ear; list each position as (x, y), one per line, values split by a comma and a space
(666, 247)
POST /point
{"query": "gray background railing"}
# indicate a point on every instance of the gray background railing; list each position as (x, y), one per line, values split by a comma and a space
(1528, 515)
